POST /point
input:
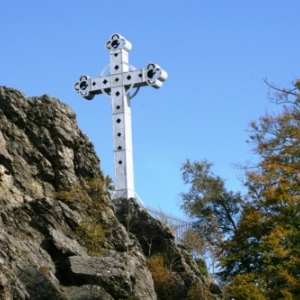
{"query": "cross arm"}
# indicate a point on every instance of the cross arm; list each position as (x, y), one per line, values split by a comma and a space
(153, 75)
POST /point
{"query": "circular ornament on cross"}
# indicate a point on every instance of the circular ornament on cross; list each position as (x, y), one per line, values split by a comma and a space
(118, 42)
(83, 87)
(155, 75)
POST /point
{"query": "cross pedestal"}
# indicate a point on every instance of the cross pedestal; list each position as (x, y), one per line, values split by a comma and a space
(117, 86)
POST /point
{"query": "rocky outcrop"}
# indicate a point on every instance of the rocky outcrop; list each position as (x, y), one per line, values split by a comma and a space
(156, 238)
(61, 236)
(41, 147)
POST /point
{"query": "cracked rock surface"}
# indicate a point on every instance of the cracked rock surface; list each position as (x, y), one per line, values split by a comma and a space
(43, 253)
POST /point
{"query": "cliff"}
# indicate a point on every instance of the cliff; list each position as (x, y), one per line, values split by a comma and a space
(61, 236)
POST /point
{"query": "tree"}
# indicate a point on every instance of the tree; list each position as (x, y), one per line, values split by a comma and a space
(215, 209)
(194, 243)
(264, 251)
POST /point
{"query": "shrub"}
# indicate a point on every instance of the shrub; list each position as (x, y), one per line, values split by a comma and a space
(202, 267)
(132, 297)
(162, 277)
(197, 292)
(93, 236)
(89, 194)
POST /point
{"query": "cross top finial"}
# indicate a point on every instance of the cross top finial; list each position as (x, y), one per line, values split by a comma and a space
(117, 41)
(117, 86)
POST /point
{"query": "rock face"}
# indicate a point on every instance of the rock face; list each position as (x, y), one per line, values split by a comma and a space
(61, 236)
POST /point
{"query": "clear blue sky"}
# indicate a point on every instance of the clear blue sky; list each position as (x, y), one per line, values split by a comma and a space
(215, 52)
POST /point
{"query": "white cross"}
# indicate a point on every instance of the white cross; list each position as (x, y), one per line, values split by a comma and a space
(117, 85)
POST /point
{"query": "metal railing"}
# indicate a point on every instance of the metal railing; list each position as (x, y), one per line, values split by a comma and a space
(177, 226)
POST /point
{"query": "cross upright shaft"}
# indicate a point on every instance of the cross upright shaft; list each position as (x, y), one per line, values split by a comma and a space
(117, 85)
(121, 118)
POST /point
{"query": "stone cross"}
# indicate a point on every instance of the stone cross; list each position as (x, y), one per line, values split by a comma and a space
(117, 84)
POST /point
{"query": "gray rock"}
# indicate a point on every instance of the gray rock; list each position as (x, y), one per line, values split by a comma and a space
(215, 289)
(42, 254)
(66, 246)
(109, 272)
(86, 292)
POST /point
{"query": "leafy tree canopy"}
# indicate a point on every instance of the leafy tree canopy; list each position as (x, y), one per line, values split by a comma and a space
(215, 209)
(258, 239)
(208, 200)
(263, 254)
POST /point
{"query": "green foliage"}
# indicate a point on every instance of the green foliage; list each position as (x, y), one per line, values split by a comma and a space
(131, 297)
(197, 292)
(216, 209)
(93, 236)
(245, 287)
(108, 183)
(194, 242)
(86, 189)
(162, 277)
(259, 239)
(263, 255)
(202, 267)
(89, 194)
(76, 193)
